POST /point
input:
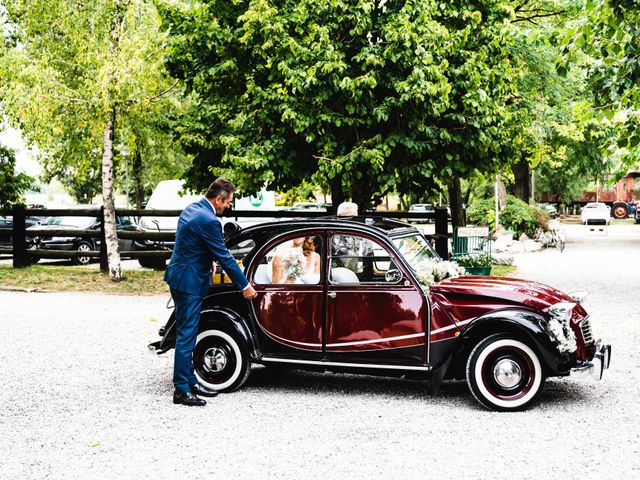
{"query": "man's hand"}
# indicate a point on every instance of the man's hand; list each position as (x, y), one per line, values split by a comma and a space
(249, 293)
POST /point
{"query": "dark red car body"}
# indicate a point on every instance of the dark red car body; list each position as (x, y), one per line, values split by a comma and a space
(493, 331)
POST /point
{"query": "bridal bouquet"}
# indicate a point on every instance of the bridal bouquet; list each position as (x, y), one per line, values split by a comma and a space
(293, 263)
(432, 272)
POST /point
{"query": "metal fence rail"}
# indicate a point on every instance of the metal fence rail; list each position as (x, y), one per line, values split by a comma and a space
(22, 255)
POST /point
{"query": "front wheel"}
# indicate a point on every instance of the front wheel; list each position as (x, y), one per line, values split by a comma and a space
(220, 361)
(82, 247)
(504, 374)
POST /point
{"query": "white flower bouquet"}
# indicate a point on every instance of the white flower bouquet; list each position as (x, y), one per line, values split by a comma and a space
(293, 263)
(431, 272)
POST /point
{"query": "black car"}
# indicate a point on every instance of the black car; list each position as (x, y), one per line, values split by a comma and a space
(6, 237)
(78, 243)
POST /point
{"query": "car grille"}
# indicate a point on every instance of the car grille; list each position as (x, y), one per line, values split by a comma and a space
(585, 327)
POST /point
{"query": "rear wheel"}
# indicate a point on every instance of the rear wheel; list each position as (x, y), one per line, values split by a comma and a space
(504, 374)
(620, 210)
(220, 360)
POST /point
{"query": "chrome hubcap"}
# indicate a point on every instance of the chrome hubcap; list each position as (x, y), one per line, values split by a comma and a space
(507, 373)
(215, 359)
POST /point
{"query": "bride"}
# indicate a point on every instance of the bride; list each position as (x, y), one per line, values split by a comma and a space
(298, 263)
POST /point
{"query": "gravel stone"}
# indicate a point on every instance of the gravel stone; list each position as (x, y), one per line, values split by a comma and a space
(82, 398)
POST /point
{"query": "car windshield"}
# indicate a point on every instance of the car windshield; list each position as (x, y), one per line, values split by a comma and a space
(415, 249)
(81, 222)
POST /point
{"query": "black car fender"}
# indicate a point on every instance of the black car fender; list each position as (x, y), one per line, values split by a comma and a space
(529, 325)
(228, 319)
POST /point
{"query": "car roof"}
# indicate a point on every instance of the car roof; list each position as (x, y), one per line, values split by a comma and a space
(372, 224)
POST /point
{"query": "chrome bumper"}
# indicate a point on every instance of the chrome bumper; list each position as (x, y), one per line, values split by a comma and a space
(598, 365)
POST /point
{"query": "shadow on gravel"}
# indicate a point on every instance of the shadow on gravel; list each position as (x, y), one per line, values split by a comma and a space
(288, 380)
(557, 394)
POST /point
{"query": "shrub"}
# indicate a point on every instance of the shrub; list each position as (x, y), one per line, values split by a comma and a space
(481, 212)
(517, 216)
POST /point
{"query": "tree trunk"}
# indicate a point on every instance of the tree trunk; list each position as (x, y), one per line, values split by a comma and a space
(455, 203)
(337, 194)
(361, 193)
(111, 236)
(137, 173)
(522, 176)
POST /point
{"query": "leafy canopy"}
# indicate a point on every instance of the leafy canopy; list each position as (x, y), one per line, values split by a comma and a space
(375, 96)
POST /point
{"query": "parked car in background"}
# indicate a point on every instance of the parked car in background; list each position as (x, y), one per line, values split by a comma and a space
(595, 213)
(6, 237)
(309, 207)
(75, 243)
(374, 308)
(422, 208)
(550, 209)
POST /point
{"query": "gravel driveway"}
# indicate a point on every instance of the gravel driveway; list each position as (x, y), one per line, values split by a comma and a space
(82, 398)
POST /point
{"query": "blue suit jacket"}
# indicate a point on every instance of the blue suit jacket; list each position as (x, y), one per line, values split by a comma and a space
(199, 241)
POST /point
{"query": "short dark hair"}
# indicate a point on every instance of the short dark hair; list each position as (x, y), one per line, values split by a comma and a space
(220, 186)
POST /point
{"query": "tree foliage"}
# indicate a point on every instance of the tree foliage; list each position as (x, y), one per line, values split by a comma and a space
(61, 80)
(363, 96)
(13, 184)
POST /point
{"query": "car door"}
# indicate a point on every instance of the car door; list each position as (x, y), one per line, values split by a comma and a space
(289, 308)
(375, 313)
(125, 224)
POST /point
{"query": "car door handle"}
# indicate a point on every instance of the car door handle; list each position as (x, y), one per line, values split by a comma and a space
(332, 294)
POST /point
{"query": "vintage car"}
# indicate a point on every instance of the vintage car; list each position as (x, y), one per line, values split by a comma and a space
(367, 310)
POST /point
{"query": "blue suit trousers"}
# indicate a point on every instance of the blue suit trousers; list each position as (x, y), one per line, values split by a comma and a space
(187, 322)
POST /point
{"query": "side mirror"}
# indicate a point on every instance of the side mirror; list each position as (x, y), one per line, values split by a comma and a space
(230, 228)
(393, 276)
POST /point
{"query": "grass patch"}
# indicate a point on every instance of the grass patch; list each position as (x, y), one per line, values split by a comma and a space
(81, 279)
(503, 270)
(136, 282)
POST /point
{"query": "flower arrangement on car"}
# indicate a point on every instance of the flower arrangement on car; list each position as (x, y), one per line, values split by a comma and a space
(430, 272)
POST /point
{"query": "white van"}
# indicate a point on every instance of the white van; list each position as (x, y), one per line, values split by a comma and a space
(167, 196)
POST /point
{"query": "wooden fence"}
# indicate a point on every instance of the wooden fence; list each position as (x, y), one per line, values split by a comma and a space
(19, 249)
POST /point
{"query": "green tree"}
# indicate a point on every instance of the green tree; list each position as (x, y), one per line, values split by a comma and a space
(361, 97)
(13, 184)
(75, 74)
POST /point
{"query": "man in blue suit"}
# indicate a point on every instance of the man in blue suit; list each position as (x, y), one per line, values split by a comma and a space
(199, 242)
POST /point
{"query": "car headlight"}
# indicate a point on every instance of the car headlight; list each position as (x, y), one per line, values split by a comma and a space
(578, 297)
(562, 311)
(560, 328)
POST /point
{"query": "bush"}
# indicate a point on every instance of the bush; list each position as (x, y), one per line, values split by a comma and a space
(517, 216)
(482, 212)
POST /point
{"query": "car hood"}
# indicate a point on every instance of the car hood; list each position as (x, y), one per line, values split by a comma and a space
(505, 290)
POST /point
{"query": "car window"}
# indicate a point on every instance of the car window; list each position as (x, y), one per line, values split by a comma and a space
(415, 249)
(80, 222)
(355, 259)
(241, 249)
(294, 260)
(125, 221)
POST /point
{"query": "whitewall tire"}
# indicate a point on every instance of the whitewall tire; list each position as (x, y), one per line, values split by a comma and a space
(504, 374)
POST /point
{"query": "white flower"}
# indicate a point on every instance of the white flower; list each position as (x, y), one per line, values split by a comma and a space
(293, 263)
(430, 272)
(564, 336)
